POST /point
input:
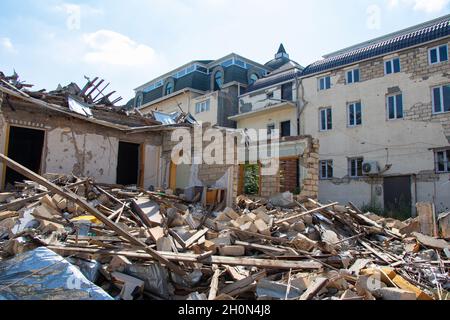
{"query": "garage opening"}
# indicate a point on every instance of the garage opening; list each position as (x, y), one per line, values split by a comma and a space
(128, 164)
(25, 147)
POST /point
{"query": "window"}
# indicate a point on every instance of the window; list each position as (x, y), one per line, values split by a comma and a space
(202, 106)
(325, 83)
(442, 159)
(286, 129)
(253, 78)
(286, 91)
(395, 106)
(441, 99)
(354, 114)
(355, 167)
(392, 66)
(326, 119)
(139, 100)
(352, 76)
(218, 80)
(169, 88)
(438, 54)
(326, 169)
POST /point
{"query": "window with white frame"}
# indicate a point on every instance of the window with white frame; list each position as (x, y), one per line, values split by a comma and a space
(324, 83)
(395, 106)
(353, 76)
(438, 54)
(326, 169)
(202, 106)
(326, 119)
(441, 99)
(442, 159)
(355, 167)
(354, 114)
(392, 66)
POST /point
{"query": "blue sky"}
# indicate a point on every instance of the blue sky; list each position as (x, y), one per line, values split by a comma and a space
(131, 42)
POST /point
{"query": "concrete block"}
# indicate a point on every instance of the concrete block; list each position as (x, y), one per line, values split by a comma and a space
(262, 227)
(249, 227)
(394, 294)
(232, 251)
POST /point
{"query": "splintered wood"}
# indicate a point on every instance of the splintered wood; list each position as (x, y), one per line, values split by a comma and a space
(155, 245)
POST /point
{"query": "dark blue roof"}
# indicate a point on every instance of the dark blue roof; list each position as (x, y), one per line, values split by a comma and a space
(438, 30)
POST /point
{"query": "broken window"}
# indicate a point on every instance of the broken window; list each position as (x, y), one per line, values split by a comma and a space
(354, 114)
(442, 161)
(353, 76)
(326, 119)
(355, 167)
(324, 83)
(438, 54)
(392, 66)
(395, 106)
(285, 129)
(218, 80)
(441, 99)
(326, 169)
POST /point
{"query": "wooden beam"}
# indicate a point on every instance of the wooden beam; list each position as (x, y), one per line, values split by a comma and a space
(184, 257)
(314, 289)
(307, 212)
(233, 288)
(214, 284)
(84, 205)
(35, 197)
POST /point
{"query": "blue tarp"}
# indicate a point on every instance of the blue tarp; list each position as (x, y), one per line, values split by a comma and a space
(55, 279)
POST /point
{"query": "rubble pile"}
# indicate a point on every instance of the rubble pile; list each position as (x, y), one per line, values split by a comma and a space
(155, 245)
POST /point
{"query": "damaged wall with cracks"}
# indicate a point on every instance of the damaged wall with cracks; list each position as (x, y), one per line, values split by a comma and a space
(229, 176)
(75, 146)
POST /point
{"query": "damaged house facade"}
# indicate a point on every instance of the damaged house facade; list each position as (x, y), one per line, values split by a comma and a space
(60, 133)
(380, 110)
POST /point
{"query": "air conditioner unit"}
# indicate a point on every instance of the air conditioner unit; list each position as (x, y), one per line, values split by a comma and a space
(370, 168)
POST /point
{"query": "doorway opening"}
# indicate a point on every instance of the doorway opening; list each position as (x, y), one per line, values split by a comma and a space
(397, 197)
(249, 182)
(128, 164)
(25, 147)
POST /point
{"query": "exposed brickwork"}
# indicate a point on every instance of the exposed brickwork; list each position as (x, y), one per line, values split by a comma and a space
(288, 175)
(413, 61)
(310, 160)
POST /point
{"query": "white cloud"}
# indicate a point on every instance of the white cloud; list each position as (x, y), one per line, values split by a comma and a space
(7, 45)
(71, 8)
(109, 47)
(428, 6)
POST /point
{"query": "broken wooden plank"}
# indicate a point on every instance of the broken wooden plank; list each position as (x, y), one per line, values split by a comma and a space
(306, 213)
(214, 284)
(21, 202)
(188, 243)
(84, 205)
(261, 247)
(237, 286)
(184, 257)
(148, 211)
(260, 236)
(314, 288)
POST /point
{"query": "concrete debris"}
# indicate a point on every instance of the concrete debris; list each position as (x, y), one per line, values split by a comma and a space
(137, 244)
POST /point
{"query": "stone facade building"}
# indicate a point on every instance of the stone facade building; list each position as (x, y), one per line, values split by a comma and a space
(380, 110)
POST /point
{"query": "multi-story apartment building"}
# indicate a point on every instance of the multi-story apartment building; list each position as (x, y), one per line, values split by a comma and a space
(381, 111)
(208, 90)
